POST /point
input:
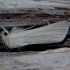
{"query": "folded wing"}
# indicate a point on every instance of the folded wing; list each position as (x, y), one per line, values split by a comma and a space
(52, 33)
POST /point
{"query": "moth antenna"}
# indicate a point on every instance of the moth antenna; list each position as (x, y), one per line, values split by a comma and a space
(5, 30)
(31, 26)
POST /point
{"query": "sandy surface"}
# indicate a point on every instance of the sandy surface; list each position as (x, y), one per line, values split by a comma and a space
(58, 59)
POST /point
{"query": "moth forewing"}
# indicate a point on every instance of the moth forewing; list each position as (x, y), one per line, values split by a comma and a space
(52, 33)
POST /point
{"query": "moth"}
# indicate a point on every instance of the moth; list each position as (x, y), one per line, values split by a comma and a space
(52, 33)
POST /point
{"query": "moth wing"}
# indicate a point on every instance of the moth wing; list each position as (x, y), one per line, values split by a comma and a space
(52, 33)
